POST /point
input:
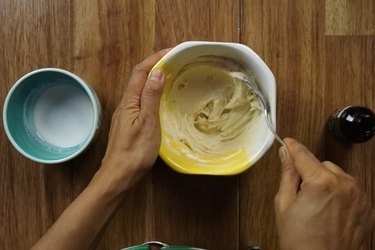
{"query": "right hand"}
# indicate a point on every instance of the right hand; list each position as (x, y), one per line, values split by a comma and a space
(318, 205)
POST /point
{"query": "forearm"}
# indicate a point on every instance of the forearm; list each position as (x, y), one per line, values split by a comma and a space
(80, 223)
(133, 146)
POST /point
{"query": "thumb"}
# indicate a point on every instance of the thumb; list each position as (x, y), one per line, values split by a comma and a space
(151, 93)
(290, 180)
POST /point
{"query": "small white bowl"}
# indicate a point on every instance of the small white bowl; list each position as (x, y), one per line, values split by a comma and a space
(260, 138)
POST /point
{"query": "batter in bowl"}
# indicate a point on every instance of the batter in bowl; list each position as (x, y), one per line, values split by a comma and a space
(208, 111)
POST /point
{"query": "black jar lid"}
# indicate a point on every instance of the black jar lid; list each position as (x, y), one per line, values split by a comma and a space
(358, 124)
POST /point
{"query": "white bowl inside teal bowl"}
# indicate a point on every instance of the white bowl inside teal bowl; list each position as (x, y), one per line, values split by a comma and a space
(51, 115)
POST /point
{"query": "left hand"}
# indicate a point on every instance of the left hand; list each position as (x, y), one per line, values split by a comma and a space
(135, 136)
(133, 146)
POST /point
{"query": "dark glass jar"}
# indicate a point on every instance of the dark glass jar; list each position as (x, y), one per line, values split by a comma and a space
(352, 124)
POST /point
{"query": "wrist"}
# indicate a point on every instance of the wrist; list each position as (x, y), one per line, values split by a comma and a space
(117, 175)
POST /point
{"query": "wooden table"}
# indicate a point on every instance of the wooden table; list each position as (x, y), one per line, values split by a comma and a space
(321, 52)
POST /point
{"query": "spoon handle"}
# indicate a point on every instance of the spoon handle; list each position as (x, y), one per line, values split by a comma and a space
(270, 126)
(266, 109)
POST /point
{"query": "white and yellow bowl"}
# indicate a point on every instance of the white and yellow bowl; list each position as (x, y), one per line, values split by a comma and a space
(259, 137)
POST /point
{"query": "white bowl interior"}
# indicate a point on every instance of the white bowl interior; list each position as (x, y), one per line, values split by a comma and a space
(259, 138)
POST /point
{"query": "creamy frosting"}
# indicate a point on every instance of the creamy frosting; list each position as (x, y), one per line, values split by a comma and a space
(207, 110)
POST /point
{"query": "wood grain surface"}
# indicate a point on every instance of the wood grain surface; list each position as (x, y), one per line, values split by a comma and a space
(322, 53)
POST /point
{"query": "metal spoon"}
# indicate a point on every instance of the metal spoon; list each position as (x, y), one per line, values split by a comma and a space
(266, 107)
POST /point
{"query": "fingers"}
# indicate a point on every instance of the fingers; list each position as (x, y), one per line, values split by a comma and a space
(138, 78)
(290, 181)
(333, 168)
(305, 162)
(151, 94)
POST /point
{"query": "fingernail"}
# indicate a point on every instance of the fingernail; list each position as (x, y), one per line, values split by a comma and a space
(288, 140)
(283, 153)
(156, 75)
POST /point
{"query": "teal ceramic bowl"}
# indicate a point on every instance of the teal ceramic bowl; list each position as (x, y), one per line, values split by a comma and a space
(51, 115)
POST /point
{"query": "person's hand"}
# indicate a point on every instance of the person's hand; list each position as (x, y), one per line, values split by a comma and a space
(134, 137)
(318, 205)
(133, 146)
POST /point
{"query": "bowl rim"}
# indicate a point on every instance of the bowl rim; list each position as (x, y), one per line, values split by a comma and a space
(257, 60)
(89, 91)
